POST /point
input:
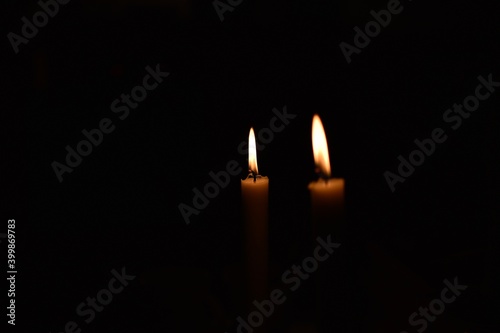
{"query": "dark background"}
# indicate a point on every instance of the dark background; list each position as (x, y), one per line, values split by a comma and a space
(119, 208)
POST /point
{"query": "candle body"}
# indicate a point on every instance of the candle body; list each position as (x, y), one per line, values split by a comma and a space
(255, 212)
(327, 204)
(327, 208)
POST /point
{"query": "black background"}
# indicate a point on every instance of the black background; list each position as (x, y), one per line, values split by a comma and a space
(119, 208)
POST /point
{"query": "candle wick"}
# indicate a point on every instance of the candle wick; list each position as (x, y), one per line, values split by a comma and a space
(253, 175)
(322, 175)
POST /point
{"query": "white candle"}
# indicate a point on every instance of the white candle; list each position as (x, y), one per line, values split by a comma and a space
(254, 190)
(327, 194)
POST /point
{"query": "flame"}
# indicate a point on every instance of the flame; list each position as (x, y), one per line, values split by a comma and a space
(252, 153)
(320, 147)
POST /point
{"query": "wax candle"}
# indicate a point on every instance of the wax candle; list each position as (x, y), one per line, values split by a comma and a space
(327, 194)
(254, 190)
(327, 200)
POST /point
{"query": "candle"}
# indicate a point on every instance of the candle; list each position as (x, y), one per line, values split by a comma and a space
(327, 194)
(327, 199)
(254, 191)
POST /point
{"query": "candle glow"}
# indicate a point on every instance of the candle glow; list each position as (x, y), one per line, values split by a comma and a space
(320, 148)
(252, 153)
